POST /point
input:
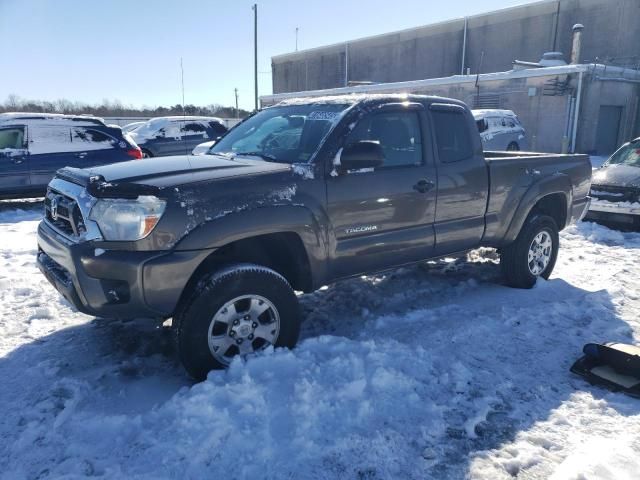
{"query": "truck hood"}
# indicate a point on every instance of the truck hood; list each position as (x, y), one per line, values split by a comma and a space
(181, 169)
(617, 175)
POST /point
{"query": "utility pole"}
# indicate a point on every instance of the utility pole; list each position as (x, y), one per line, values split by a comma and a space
(297, 38)
(255, 51)
(237, 111)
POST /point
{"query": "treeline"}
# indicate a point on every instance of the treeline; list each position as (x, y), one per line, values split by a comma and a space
(114, 108)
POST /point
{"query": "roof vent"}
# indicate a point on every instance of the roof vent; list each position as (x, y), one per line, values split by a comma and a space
(552, 59)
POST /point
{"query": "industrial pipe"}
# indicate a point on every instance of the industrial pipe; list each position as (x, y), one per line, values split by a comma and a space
(576, 48)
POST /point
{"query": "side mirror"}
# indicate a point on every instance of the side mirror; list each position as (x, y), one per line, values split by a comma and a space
(364, 154)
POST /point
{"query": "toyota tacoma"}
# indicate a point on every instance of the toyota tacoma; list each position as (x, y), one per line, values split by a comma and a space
(297, 196)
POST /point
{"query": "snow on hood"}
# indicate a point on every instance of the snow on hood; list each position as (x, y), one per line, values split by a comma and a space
(619, 175)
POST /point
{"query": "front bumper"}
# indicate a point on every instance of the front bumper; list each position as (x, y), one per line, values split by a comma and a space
(623, 214)
(610, 207)
(115, 283)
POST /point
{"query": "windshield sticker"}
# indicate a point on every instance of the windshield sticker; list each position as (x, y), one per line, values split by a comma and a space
(319, 115)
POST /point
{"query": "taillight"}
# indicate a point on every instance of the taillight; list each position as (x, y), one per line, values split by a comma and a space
(135, 153)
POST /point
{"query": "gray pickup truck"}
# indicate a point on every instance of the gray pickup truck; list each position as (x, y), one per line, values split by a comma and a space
(297, 196)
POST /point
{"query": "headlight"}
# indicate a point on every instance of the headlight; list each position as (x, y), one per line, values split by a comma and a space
(127, 220)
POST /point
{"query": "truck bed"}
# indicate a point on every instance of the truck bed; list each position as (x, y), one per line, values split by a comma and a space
(512, 174)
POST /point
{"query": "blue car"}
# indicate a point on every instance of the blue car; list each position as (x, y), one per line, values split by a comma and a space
(34, 145)
(164, 136)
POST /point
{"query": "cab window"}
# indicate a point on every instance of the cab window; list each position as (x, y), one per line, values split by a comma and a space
(398, 133)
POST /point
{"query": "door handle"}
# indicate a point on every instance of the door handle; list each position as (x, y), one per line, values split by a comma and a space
(81, 155)
(424, 185)
(18, 160)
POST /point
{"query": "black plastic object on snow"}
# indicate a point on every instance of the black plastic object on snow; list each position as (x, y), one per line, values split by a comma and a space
(613, 365)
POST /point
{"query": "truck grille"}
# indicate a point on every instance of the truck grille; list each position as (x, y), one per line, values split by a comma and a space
(616, 194)
(63, 214)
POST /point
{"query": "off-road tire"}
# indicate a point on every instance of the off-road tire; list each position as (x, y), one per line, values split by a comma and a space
(214, 290)
(514, 257)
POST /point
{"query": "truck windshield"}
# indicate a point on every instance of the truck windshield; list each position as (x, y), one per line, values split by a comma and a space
(627, 155)
(287, 134)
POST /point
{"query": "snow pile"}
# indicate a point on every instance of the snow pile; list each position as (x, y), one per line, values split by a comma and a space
(433, 371)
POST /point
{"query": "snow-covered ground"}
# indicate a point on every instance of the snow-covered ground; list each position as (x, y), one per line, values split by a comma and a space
(434, 371)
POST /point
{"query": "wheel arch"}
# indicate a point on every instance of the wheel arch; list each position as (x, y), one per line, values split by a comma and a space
(292, 248)
(551, 196)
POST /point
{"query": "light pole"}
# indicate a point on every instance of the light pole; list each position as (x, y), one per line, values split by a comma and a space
(255, 51)
(237, 111)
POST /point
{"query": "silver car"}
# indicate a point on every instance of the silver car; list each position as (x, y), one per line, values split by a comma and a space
(500, 130)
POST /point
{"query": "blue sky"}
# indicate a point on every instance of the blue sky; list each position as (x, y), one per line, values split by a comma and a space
(130, 49)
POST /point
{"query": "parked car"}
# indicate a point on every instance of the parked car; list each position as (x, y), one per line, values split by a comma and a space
(130, 127)
(500, 130)
(34, 145)
(615, 190)
(203, 148)
(300, 195)
(164, 136)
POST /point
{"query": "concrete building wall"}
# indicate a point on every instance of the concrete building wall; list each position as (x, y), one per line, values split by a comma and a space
(545, 100)
(607, 93)
(612, 35)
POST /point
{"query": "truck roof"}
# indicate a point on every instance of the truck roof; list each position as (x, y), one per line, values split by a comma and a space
(355, 98)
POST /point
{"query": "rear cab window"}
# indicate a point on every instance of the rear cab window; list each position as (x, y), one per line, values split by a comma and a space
(452, 135)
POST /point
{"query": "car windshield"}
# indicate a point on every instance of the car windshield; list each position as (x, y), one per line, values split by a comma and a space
(287, 134)
(627, 155)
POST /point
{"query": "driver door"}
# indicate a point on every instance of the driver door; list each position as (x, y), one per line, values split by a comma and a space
(384, 217)
(14, 159)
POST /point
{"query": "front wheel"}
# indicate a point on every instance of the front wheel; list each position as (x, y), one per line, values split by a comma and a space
(238, 310)
(513, 147)
(533, 254)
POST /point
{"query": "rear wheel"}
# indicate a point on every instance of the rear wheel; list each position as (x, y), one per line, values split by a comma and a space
(513, 147)
(533, 254)
(239, 310)
(146, 153)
